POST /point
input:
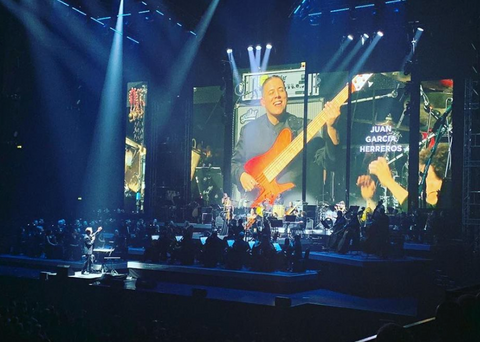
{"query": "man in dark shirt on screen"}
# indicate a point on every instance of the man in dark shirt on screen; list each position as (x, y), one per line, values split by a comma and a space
(258, 136)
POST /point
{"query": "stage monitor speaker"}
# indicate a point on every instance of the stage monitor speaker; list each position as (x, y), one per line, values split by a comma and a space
(310, 210)
(96, 268)
(283, 302)
(207, 218)
(64, 271)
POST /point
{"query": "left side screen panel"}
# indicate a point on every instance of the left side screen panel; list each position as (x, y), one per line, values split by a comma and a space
(135, 149)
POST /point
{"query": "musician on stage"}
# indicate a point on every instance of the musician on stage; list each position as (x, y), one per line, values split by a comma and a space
(258, 136)
(88, 242)
(227, 207)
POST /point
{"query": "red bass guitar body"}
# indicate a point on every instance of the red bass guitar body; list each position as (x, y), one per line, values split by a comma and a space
(268, 190)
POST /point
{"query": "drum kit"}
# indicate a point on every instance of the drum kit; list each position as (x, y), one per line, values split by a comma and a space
(282, 219)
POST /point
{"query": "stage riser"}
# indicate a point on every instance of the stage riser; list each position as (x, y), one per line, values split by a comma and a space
(275, 282)
(370, 276)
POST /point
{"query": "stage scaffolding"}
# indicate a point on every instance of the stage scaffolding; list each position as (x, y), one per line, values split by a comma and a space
(471, 165)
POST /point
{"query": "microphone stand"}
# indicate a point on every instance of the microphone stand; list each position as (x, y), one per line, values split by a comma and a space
(392, 95)
(442, 128)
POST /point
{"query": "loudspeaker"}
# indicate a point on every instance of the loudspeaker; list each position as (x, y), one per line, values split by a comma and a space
(96, 268)
(64, 271)
(207, 218)
(283, 302)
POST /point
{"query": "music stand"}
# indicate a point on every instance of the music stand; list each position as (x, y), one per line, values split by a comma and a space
(275, 224)
(289, 219)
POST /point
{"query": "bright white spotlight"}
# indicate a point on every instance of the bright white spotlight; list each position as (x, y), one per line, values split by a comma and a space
(229, 51)
(366, 36)
(269, 46)
(350, 37)
(258, 47)
(250, 48)
(420, 29)
(380, 33)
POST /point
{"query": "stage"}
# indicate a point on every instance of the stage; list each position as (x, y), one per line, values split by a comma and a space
(353, 281)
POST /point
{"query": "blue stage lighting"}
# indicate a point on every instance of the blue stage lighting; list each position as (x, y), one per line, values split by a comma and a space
(380, 33)
(77, 10)
(250, 48)
(420, 29)
(258, 47)
(269, 46)
(63, 3)
(229, 51)
(350, 37)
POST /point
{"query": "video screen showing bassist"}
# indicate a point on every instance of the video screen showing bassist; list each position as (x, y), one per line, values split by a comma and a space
(265, 147)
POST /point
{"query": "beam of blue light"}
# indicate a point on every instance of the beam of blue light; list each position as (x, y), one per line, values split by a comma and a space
(104, 18)
(251, 59)
(116, 30)
(77, 10)
(350, 56)
(63, 3)
(97, 21)
(233, 65)
(159, 12)
(143, 2)
(107, 133)
(258, 56)
(363, 58)
(266, 57)
(296, 9)
(337, 55)
(145, 11)
(126, 14)
(133, 40)
(178, 24)
(393, 2)
(192, 33)
(178, 75)
(364, 6)
(339, 10)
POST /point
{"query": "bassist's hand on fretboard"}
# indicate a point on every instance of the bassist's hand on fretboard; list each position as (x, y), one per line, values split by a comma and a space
(248, 182)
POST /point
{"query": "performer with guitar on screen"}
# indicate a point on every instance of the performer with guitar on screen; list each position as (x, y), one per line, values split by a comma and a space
(263, 161)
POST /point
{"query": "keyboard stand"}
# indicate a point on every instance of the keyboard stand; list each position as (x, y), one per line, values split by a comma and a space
(111, 268)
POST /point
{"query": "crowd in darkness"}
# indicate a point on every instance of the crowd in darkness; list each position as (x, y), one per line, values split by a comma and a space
(23, 321)
(455, 320)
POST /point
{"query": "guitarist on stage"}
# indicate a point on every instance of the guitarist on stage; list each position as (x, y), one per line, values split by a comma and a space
(258, 136)
(88, 242)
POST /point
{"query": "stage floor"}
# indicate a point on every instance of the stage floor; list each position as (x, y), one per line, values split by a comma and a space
(400, 304)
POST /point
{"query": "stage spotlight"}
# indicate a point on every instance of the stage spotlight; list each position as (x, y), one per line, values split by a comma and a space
(380, 33)
(366, 36)
(229, 51)
(258, 47)
(350, 37)
(420, 29)
(269, 46)
(250, 48)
